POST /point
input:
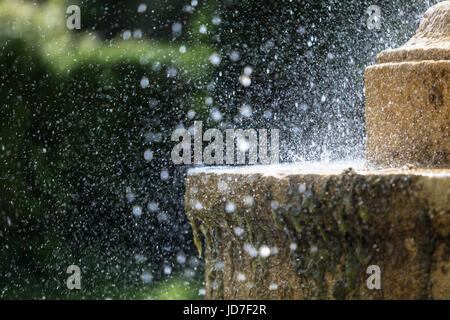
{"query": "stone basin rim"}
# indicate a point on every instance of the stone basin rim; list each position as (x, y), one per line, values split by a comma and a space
(316, 168)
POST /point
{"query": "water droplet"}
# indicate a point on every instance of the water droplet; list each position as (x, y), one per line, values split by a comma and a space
(216, 115)
(209, 101)
(273, 286)
(142, 8)
(248, 70)
(230, 207)
(242, 144)
(198, 205)
(137, 211)
(222, 186)
(238, 231)
(302, 188)
(148, 155)
(126, 35)
(177, 27)
(216, 20)
(137, 34)
(274, 205)
(215, 59)
(248, 201)
(264, 251)
(146, 277)
(250, 250)
(245, 80)
(267, 114)
(167, 270)
(181, 258)
(172, 72)
(234, 56)
(293, 246)
(246, 111)
(164, 174)
(153, 206)
(145, 82)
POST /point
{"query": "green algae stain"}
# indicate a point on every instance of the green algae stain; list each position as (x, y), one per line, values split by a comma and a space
(338, 223)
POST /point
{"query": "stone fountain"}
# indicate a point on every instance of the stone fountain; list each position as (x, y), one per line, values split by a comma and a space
(305, 231)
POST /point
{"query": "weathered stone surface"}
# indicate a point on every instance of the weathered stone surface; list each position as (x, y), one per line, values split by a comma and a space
(408, 98)
(431, 41)
(324, 228)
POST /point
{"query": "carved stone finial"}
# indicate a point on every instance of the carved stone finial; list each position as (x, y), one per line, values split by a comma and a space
(431, 41)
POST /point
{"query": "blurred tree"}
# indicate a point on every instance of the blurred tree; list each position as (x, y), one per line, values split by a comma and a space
(77, 117)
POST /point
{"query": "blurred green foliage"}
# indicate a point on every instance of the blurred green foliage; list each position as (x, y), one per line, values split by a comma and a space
(73, 120)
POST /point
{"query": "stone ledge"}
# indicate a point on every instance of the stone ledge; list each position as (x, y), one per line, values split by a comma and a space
(324, 227)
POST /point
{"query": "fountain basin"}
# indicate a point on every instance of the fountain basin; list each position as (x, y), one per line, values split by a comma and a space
(311, 231)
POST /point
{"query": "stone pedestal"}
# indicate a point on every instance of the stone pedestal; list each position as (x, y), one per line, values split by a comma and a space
(408, 98)
(296, 232)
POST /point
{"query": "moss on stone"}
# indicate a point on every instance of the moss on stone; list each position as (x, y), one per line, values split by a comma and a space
(340, 225)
